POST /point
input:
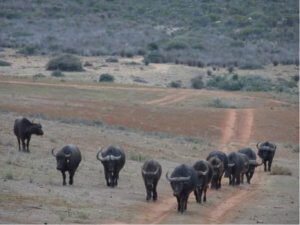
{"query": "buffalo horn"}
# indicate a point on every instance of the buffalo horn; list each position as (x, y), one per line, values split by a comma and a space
(252, 162)
(150, 173)
(258, 145)
(112, 157)
(231, 164)
(53, 152)
(100, 158)
(68, 155)
(202, 173)
(177, 178)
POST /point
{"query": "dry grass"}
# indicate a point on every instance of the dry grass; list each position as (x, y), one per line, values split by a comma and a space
(279, 170)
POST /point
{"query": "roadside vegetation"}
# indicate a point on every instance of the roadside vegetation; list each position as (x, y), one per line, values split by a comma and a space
(254, 33)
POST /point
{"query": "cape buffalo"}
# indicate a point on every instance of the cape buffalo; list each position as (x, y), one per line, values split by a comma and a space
(245, 166)
(222, 156)
(252, 162)
(218, 170)
(151, 172)
(235, 167)
(113, 160)
(204, 172)
(23, 130)
(266, 152)
(68, 159)
(183, 181)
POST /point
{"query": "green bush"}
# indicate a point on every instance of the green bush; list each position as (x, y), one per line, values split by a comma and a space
(175, 84)
(28, 50)
(65, 63)
(152, 46)
(57, 73)
(219, 103)
(106, 78)
(4, 63)
(154, 57)
(250, 66)
(176, 44)
(112, 60)
(197, 82)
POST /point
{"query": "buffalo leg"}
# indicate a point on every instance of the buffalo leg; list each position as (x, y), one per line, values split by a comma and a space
(23, 145)
(196, 194)
(71, 175)
(28, 140)
(200, 190)
(269, 165)
(19, 143)
(238, 180)
(265, 166)
(178, 203)
(204, 197)
(148, 193)
(64, 177)
(185, 202)
(219, 182)
(107, 178)
(242, 178)
(154, 196)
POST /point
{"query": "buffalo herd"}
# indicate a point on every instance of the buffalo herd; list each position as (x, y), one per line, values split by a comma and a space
(183, 180)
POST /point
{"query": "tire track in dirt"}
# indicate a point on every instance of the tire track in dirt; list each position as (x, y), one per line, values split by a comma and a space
(243, 130)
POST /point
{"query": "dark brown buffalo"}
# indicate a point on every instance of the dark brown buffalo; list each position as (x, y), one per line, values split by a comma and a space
(151, 172)
(23, 130)
(266, 151)
(67, 159)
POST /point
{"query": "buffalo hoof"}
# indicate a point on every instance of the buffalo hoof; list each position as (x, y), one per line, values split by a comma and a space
(64, 183)
(148, 198)
(154, 199)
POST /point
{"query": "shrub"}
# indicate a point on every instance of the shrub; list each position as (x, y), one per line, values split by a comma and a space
(28, 50)
(138, 157)
(218, 103)
(209, 73)
(250, 66)
(112, 60)
(106, 78)
(154, 57)
(230, 69)
(295, 78)
(4, 63)
(9, 176)
(175, 84)
(37, 76)
(152, 46)
(197, 82)
(275, 63)
(65, 63)
(278, 170)
(88, 64)
(57, 73)
(176, 44)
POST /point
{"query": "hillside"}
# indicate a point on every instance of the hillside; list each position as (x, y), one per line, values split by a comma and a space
(247, 34)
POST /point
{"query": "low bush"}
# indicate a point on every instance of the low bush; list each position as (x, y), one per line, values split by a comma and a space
(154, 57)
(29, 50)
(112, 60)
(65, 63)
(279, 170)
(197, 82)
(57, 73)
(219, 103)
(105, 77)
(37, 76)
(175, 84)
(4, 63)
(250, 66)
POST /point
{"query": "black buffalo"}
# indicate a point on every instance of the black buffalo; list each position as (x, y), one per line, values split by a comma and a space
(245, 166)
(151, 172)
(204, 172)
(67, 159)
(113, 160)
(183, 181)
(23, 130)
(266, 152)
(235, 168)
(217, 177)
(218, 170)
(252, 162)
